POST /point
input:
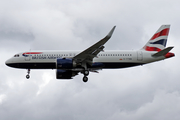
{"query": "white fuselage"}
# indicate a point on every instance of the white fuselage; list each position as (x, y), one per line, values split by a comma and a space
(110, 59)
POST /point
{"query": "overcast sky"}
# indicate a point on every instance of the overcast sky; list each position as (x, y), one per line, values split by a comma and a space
(148, 92)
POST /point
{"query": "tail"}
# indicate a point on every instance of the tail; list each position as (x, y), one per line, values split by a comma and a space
(158, 40)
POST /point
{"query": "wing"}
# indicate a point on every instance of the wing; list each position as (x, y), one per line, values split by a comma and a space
(87, 55)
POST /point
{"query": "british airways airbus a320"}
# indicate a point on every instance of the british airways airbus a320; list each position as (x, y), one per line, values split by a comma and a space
(69, 63)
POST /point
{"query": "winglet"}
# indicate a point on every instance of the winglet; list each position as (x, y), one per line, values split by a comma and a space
(111, 32)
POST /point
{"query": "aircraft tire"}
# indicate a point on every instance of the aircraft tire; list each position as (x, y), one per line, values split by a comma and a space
(85, 79)
(86, 72)
(27, 76)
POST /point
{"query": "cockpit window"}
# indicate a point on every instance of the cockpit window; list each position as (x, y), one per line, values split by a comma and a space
(17, 55)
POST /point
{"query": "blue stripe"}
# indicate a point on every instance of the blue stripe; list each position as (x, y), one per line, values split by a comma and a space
(162, 42)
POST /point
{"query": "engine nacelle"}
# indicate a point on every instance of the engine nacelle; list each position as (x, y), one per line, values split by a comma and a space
(63, 63)
(65, 74)
(97, 65)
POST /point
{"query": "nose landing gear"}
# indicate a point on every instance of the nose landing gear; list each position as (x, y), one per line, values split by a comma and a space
(28, 76)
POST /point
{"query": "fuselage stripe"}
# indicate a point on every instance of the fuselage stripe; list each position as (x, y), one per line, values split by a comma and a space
(32, 53)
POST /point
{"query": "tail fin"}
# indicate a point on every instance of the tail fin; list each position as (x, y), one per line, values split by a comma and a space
(158, 40)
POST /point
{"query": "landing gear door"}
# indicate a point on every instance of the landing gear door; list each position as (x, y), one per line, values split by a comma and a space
(139, 56)
(27, 57)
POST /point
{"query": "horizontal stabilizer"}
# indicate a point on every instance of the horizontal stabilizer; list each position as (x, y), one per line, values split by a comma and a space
(162, 52)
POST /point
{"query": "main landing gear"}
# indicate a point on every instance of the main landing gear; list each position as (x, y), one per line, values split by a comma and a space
(86, 73)
(28, 76)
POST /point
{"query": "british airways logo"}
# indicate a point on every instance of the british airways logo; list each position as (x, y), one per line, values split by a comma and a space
(29, 53)
(25, 55)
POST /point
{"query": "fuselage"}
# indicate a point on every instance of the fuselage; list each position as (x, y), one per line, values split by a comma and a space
(109, 59)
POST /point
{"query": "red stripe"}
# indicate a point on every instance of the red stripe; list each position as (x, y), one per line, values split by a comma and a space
(147, 48)
(33, 53)
(168, 55)
(161, 33)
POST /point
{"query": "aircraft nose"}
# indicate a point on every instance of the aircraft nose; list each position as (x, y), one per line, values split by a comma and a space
(8, 62)
(11, 63)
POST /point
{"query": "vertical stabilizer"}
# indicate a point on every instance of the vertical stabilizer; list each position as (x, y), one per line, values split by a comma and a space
(158, 40)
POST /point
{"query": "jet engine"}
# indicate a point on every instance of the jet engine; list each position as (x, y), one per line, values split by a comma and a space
(63, 63)
(65, 74)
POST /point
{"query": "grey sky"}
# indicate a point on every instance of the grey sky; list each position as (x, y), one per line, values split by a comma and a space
(149, 92)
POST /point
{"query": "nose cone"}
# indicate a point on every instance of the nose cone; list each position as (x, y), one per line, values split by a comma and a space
(8, 62)
(11, 63)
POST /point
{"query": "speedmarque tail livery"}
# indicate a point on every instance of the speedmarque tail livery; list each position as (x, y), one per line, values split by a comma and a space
(69, 63)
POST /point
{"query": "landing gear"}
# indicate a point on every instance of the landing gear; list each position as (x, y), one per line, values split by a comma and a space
(86, 73)
(28, 76)
(85, 79)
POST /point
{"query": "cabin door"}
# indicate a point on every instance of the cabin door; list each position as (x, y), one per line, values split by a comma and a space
(139, 56)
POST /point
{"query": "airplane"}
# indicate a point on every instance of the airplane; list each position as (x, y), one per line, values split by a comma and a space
(70, 63)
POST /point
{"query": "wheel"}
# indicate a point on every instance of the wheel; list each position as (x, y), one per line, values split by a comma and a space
(86, 72)
(27, 76)
(85, 79)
